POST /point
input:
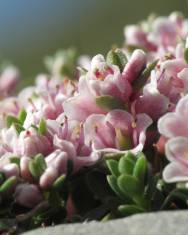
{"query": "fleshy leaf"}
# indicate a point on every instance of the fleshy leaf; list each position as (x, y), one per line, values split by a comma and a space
(39, 160)
(108, 102)
(140, 167)
(19, 128)
(126, 210)
(130, 185)
(142, 79)
(35, 169)
(127, 163)
(59, 182)
(113, 167)
(12, 120)
(42, 127)
(186, 55)
(22, 116)
(8, 184)
(112, 180)
(15, 160)
(117, 57)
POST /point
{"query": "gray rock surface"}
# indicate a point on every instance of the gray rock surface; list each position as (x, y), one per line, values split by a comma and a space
(163, 223)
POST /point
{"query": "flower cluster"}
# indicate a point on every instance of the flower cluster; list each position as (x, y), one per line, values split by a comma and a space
(86, 109)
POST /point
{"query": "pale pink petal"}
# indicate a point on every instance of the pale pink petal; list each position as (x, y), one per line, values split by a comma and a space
(98, 132)
(173, 67)
(80, 107)
(177, 150)
(153, 104)
(120, 119)
(182, 107)
(143, 122)
(172, 125)
(184, 76)
(86, 161)
(175, 172)
(65, 146)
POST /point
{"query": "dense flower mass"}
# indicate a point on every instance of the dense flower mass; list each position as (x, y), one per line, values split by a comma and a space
(87, 109)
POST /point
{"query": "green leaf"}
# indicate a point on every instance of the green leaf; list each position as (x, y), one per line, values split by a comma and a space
(113, 167)
(40, 161)
(127, 210)
(12, 120)
(22, 116)
(19, 128)
(15, 160)
(8, 184)
(140, 168)
(130, 185)
(114, 156)
(107, 217)
(2, 177)
(59, 182)
(108, 102)
(82, 71)
(127, 163)
(35, 169)
(117, 57)
(186, 55)
(142, 79)
(35, 127)
(112, 181)
(42, 127)
(132, 48)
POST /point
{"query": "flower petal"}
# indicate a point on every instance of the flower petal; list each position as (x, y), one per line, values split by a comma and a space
(172, 125)
(177, 150)
(175, 172)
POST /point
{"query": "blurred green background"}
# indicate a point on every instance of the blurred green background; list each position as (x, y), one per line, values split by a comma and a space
(30, 30)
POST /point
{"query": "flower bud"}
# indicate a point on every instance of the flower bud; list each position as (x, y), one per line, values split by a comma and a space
(135, 66)
(28, 195)
(48, 177)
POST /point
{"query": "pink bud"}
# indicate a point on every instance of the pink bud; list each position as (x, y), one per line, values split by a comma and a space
(24, 169)
(58, 160)
(10, 169)
(48, 177)
(31, 143)
(28, 195)
(135, 66)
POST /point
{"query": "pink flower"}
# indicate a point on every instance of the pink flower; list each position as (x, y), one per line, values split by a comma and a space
(158, 35)
(116, 130)
(70, 152)
(46, 99)
(68, 142)
(101, 79)
(174, 127)
(135, 36)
